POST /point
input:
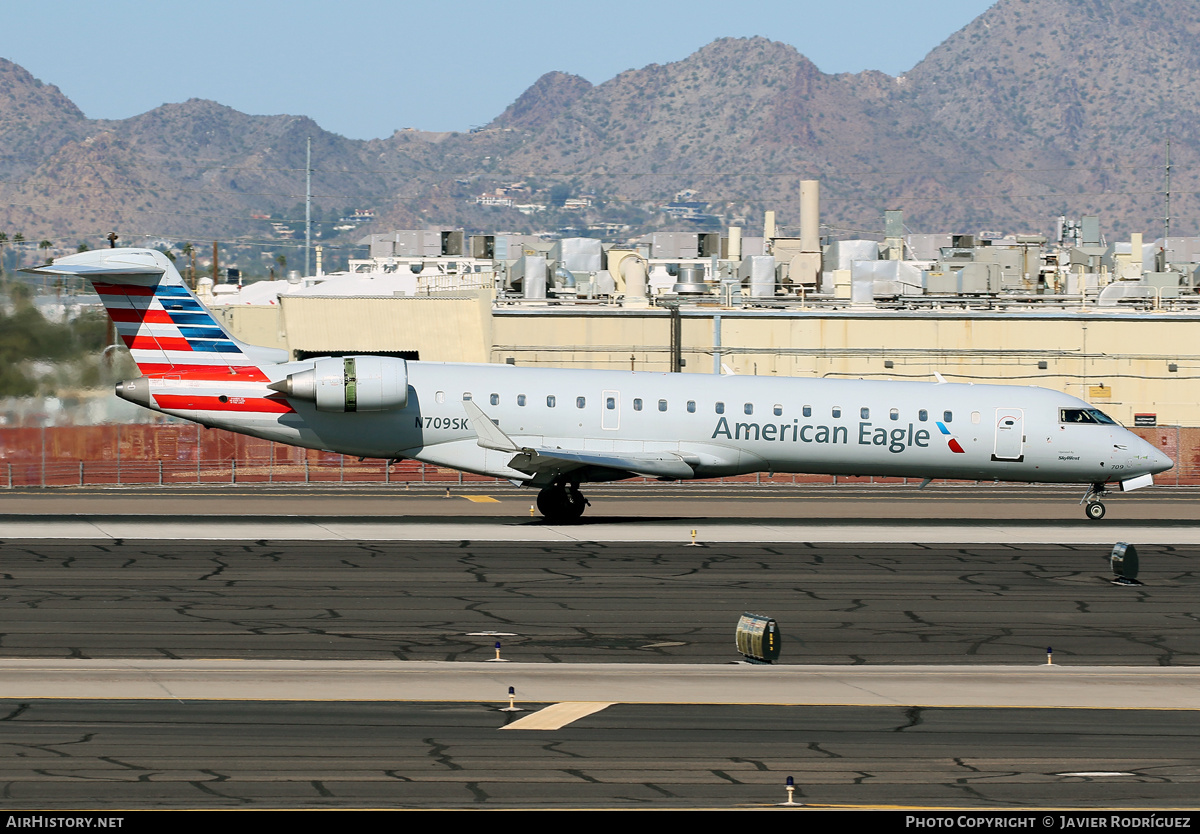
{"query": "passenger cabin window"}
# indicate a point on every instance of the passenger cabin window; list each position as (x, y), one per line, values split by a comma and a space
(748, 408)
(974, 416)
(580, 402)
(807, 410)
(494, 399)
(720, 408)
(466, 396)
(923, 416)
(778, 410)
(691, 406)
(610, 403)
(837, 411)
(948, 416)
(550, 401)
(662, 405)
(520, 399)
(440, 396)
(865, 413)
(894, 414)
(637, 404)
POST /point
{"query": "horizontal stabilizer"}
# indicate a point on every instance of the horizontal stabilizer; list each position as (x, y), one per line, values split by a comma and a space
(91, 270)
(137, 267)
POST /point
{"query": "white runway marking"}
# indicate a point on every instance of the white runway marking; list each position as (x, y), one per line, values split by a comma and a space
(557, 716)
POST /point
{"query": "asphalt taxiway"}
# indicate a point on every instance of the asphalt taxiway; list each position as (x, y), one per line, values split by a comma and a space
(283, 650)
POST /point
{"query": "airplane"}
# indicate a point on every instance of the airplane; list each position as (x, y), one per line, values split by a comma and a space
(555, 429)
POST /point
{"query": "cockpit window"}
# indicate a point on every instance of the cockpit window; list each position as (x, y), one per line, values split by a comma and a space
(1085, 415)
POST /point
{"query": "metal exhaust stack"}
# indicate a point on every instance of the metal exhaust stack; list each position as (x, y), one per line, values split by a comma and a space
(805, 268)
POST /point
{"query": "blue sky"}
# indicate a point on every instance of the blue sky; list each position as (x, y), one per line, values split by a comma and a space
(366, 68)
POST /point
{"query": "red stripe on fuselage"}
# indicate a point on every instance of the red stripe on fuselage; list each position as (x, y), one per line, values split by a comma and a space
(191, 402)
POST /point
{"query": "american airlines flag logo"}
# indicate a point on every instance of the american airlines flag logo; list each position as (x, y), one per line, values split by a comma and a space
(952, 442)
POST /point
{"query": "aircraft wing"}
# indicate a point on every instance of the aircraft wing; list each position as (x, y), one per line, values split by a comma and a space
(533, 460)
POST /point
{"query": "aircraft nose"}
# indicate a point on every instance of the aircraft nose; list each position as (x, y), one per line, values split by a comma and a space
(1156, 461)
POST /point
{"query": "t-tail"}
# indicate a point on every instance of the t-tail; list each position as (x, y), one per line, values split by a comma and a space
(167, 330)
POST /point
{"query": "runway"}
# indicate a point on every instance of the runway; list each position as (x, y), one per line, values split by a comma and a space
(594, 602)
(502, 513)
(144, 664)
(232, 754)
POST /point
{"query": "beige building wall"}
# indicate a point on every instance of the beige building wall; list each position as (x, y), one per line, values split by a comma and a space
(452, 327)
(254, 325)
(1120, 364)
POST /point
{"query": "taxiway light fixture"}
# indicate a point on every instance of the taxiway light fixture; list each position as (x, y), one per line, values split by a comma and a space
(1124, 560)
(757, 638)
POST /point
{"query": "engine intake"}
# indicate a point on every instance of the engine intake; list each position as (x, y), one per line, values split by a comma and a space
(350, 383)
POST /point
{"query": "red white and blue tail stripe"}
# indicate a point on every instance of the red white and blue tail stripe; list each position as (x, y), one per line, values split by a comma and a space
(168, 331)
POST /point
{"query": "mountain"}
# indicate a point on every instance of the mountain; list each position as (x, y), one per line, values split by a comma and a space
(35, 120)
(1030, 111)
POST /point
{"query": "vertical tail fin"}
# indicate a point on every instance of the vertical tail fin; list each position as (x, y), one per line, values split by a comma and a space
(157, 317)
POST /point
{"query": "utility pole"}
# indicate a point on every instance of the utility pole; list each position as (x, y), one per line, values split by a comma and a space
(215, 269)
(308, 208)
(1167, 219)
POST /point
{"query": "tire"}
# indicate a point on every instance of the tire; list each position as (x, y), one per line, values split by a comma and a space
(558, 504)
(574, 504)
(1095, 510)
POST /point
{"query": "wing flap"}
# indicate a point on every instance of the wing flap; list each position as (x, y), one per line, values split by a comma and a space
(534, 460)
(652, 465)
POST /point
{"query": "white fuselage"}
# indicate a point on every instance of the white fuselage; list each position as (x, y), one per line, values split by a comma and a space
(722, 425)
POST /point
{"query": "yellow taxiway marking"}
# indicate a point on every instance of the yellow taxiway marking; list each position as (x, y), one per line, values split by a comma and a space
(557, 716)
(482, 499)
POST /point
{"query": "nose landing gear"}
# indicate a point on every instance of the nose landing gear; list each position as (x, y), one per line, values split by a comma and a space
(561, 502)
(1094, 509)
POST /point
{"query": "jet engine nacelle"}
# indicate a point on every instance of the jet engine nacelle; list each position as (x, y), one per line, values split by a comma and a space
(350, 383)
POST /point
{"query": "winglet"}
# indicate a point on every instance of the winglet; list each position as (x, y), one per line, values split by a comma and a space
(941, 380)
(489, 434)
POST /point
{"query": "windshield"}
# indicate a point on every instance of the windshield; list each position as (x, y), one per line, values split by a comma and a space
(1085, 415)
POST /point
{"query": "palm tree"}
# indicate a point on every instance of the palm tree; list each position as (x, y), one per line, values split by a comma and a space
(3, 241)
(44, 245)
(17, 238)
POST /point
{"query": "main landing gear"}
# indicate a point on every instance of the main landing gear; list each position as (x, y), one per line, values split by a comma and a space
(561, 502)
(1094, 509)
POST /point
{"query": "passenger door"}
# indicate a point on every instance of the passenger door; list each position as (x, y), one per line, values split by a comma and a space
(1010, 434)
